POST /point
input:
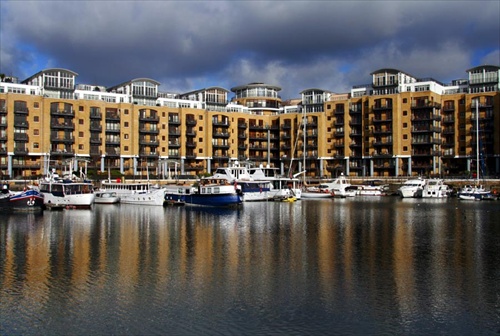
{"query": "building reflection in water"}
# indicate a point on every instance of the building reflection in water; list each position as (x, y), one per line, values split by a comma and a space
(407, 256)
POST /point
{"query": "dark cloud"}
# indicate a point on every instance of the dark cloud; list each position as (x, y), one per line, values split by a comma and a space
(294, 44)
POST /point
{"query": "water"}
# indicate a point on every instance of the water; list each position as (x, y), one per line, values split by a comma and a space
(353, 266)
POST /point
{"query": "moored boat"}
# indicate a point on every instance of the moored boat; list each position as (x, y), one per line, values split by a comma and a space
(412, 188)
(316, 192)
(66, 192)
(371, 188)
(106, 197)
(340, 187)
(140, 193)
(206, 192)
(29, 200)
(240, 177)
(475, 193)
(281, 187)
(435, 188)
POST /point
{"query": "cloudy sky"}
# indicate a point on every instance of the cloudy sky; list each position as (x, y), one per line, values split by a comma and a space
(188, 45)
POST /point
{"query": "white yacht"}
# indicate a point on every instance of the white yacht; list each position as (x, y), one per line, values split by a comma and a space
(435, 188)
(239, 176)
(281, 187)
(141, 193)
(340, 187)
(66, 192)
(412, 188)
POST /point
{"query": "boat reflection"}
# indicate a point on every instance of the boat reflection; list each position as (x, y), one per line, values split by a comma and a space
(388, 257)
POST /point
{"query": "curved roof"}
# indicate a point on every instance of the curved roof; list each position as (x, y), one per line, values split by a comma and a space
(391, 71)
(315, 89)
(143, 79)
(485, 67)
(253, 85)
(50, 70)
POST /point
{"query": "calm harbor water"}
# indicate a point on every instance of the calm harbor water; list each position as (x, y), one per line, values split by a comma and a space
(352, 266)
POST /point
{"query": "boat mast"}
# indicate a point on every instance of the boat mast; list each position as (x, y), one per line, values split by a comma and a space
(304, 121)
(477, 140)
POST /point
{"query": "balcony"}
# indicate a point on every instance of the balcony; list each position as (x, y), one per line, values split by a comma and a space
(68, 125)
(21, 137)
(191, 122)
(95, 128)
(149, 154)
(218, 123)
(191, 144)
(149, 130)
(21, 110)
(95, 115)
(174, 121)
(21, 124)
(382, 107)
(144, 142)
(221, 135)
(285, 127)
(19, 150)
(112, 116)
(220, 146)
(113, 130)
(151, 119)
(190, 133)
(62, 113)
(416, 105)
(62, 138)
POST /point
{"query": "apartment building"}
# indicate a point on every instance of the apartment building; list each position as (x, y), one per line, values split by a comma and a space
(396, 125)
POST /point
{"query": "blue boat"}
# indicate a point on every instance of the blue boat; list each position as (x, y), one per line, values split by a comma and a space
(28, 200)
(207, 192)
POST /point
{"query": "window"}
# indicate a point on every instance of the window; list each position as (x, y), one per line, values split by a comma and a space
(36, 118)
(405, 136)
(405, 148)
(80, 134)
(405, 125)
(200, 117)
(125, 124)
(405, 113)
(36, 132)
(36, 145)
(36, 105)
(126, 111)
(80, 108)
(80, 147)
(405, 100)
(125, 148)
(80, 121)
(125, 136)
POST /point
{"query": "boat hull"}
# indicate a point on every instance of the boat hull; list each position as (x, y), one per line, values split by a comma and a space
(151, 197)
(106, 198)
(25, 201)
(204, 199)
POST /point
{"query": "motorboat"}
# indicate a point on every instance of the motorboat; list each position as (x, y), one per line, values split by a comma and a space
(66, 192)
(412, 188)
(29, 200)
(208, 191)
(475, 193)
(106, 197)
(316, 192)
(239, 176)
(340, 187)
(140, 193)
(371, 188)
(435, 188)
(281, 186)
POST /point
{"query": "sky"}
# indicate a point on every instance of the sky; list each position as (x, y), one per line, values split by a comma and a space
(296, 45)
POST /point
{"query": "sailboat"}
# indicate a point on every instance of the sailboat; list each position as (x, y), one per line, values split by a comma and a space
(477, 192)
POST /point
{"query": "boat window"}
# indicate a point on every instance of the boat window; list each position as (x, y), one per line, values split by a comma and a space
(216, 190)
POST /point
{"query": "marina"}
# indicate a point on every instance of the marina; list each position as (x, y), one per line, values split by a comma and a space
(355, 265)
